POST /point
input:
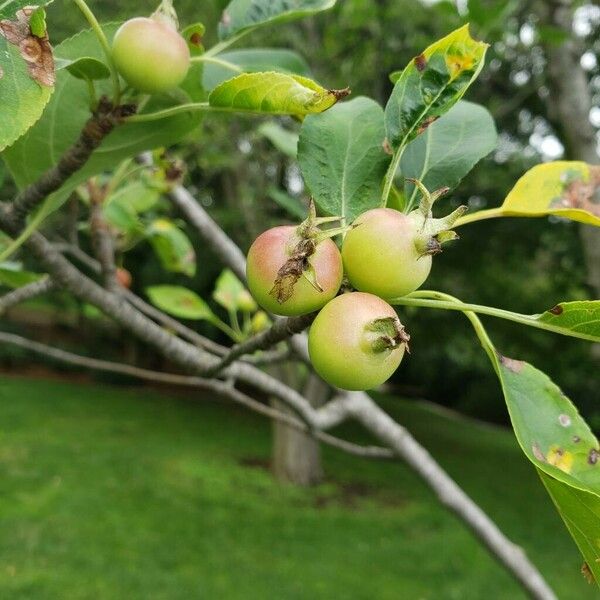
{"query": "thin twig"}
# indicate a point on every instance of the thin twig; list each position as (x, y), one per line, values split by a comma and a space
(360, 406)
(102, 238)
(26, 292)
(222, 388)
(104, 119)
(281, 330)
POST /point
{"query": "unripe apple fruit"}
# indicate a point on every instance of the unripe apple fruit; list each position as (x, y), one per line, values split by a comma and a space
(271, 251)
(381, 256)
(150, 55)
(356, 342)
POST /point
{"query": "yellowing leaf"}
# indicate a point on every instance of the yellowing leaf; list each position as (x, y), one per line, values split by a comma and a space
(569, 189)
(431, 84)
(274, 93)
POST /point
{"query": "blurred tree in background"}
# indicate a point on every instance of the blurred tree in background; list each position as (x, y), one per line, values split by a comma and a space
(523, 265)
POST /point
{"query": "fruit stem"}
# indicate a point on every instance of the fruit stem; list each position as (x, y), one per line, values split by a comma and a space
(93, 22)
(390, 174)
(169, 112)
(165, 13)
(217, 61)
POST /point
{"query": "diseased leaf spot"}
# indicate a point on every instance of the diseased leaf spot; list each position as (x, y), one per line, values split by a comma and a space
(564, 420)
(537, 452)
(593, 456)
(340, 94)
(587, 573)
(426, 123)
(35, 51)
(196, 39)
(583, 195)
(576, 439)
(420, 62)
(516, 366)
(556, 310)
(560, 458)
(457, 64)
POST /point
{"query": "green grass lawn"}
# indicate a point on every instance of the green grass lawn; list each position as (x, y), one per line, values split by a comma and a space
(108, 493)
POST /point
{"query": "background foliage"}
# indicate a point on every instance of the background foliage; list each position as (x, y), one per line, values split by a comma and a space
(523, 265)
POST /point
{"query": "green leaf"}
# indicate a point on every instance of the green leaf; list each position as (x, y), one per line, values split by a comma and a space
(252, 60)
(179, 302)
(22, 97)
(342, 158)
(136, 196)
(274, 93)
(13, 275)
(581, 513)
(64, 119)
(581, 318)
(449, 148)
(242, 16)
(86, 68)
(557, 440)
(231, 294)
(284, 140)
(431, 84)
(294, 207)
(568, 189)
(123, 217)
(172, 246)
(37, 22)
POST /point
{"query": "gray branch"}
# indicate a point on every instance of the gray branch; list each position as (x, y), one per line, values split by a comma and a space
(221, 388)
(218, 241)
(360, 406)
(281, 330)
(104, 119)
(27, 292)
(102, 239)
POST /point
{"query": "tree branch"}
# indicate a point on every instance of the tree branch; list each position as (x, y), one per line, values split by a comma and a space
(104, 119)
(219, 387)
(183, 353)
(280, 331)
(218, 241)
(102, 239)
(383, 427)
(26, 292)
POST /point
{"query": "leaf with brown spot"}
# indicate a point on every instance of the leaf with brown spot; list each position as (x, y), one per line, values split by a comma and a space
(587, 573)
(35, 50)
(560, 444)
(569, 189)
(25, 71)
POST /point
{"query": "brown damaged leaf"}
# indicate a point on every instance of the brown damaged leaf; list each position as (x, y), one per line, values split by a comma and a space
(584, 195)
(516, 366)
(292, 270)
(36, 51)
(587, 573)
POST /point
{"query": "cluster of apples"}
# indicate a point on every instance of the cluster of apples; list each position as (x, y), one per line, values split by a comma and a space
(356, 341)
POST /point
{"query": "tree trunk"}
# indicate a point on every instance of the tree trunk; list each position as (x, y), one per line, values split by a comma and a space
(297, 456)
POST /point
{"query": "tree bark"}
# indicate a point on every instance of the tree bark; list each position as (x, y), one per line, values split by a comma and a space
(296, 456)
